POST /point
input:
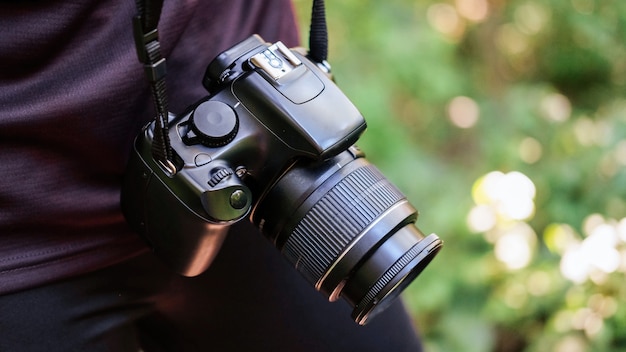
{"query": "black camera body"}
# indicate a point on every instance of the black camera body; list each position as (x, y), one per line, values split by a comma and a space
(274, 142)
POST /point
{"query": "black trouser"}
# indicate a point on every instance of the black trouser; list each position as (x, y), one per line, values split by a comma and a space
(250, 299)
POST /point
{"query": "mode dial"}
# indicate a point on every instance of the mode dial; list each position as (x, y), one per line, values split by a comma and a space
(214, 123)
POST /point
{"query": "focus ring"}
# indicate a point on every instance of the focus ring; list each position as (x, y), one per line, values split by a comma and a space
(391, 274)
(337, 218)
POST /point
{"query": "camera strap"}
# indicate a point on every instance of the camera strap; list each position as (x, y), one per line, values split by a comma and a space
(318, 33)
(149, 53)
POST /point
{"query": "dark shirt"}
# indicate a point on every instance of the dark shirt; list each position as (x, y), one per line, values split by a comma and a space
(72, 98)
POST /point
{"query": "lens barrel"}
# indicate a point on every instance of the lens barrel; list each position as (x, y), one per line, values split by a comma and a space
(348, 230)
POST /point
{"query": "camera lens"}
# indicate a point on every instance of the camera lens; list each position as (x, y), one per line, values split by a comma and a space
(348, 230)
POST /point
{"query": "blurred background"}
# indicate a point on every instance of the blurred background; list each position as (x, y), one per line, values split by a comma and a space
(504, 122)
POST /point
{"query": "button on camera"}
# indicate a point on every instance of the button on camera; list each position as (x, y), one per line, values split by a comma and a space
(214, 123)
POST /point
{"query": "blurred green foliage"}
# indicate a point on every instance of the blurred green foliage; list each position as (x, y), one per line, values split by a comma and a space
(504, 123)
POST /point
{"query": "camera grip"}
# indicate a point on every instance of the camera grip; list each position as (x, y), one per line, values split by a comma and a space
(186, 241)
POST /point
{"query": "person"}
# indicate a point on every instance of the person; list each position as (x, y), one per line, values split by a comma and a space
(73, 277)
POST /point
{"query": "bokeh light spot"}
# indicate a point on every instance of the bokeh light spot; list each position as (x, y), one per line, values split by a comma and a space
(463, 112)
(516, 246)
(539, 283)
(481, 218)
(594, 257)
(556, 107)
(473, 10)
(605, 306)
(530, 150)
(512, 194)
(571, 343)
(531, 17)
(558, 237)
(445, 19)
(574, 265)
(592, 221)
(510, 40)
(515, 296)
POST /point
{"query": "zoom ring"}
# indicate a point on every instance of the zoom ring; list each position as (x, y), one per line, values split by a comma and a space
(337, 218)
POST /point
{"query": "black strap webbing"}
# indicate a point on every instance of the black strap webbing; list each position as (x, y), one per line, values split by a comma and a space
(149, 53)
(318, 33)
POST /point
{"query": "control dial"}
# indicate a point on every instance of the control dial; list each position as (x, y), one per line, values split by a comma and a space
(214, 123)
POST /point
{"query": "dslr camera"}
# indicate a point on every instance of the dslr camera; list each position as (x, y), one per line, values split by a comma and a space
(273, 142)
